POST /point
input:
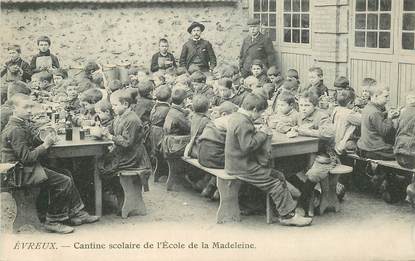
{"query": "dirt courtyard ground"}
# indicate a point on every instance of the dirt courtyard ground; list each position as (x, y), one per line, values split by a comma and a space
(365, 229)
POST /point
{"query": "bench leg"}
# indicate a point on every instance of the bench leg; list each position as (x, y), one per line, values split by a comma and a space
(174, 168)
(228, 206)
(325, 201)
(333, 200)
(269, 213)
(328, 194)
(8, 212)
(132, 203)
(26, 215)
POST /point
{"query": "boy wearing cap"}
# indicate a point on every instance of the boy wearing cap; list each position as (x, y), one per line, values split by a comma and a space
(197, 51)
(16, 64)
(7, 108)
(163, 59)
(256, 46)
(44, 60)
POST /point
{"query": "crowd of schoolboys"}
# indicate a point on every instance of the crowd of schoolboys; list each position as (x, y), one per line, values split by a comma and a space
(218, 117)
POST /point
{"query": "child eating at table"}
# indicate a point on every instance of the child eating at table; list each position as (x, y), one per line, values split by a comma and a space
(286, 117)
(242, 144)
(377, 127)
(105, 113)
(157, 117)
(127, 135)
(315, 122)
(198, 121)
(64, 205)
(87, 101)
(257, 70)
(72, 104)
(316, 85)
(144, 102)
(404, 148)
(176, 130)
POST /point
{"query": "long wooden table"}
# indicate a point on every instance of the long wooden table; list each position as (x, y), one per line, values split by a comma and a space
(88, 147)
(282, 146)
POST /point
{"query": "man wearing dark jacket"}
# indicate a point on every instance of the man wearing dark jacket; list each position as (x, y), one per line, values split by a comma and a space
(256, 46)
(197, 51)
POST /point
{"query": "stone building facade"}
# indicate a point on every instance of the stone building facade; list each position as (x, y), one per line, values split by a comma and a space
(352, 38)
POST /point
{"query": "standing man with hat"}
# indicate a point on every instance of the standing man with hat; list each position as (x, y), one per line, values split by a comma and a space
(256, 46)
(197, 51)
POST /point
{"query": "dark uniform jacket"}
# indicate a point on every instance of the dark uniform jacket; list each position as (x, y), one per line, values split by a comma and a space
(375, 129)
(129, 150)
(155, 65)
(260, 48)
(242, 142)
(34, 63)
(143, 108)
(405, 135)
(198, 123)
(19, 144)
(158, 113)
(176, 122)
(203, 49)
(27, 72)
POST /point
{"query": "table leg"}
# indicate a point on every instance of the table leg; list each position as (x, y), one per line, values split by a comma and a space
(98, 189)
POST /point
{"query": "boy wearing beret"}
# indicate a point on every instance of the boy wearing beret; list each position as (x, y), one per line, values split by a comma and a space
(197, 51)
(44, 60)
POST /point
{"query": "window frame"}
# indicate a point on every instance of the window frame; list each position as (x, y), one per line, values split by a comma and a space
(280, 27)
(263, 29)
(354, 48)
(281, 31)
(401, 31)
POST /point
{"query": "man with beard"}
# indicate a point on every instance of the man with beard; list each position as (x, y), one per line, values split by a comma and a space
(256, 46)
(197, 51)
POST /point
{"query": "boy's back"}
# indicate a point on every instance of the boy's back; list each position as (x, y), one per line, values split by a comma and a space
(242, 140)
(143, 108)
(158, 113)
(374, 129)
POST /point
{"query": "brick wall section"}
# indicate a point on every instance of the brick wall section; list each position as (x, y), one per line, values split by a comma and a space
(114, 33)
(330, 39)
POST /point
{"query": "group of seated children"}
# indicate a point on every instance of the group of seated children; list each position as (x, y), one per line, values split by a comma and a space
(219, 118)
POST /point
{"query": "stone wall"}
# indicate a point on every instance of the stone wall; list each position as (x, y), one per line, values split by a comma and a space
(113, 33)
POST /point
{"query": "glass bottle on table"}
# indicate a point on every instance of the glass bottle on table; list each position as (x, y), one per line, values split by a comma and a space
(68, 128)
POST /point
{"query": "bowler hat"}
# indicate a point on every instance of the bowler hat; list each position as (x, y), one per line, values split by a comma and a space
(253, 21)
(195, 24)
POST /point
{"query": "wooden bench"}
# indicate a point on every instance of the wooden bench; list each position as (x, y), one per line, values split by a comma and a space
(131, 202)
(228, 187)
(20, 209)
(386, 163)
(393, 164)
